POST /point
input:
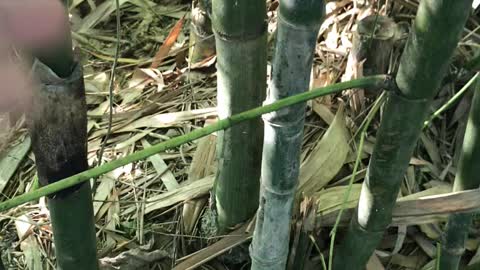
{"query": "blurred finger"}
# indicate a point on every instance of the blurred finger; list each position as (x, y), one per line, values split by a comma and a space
(33, 23)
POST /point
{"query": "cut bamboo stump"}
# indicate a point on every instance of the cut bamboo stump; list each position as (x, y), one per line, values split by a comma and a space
(370, 54)
(202, 40)
(57, 123)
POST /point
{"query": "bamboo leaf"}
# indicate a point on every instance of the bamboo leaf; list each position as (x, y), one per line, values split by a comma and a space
(169, 119)
(28, 244)
(162, 169)
(167, 44)
(185, 192)
(327, 157)
(101, 13)
(107, 182)
(9, 163)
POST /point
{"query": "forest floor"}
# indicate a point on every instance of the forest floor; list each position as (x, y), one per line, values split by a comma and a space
(154, 214)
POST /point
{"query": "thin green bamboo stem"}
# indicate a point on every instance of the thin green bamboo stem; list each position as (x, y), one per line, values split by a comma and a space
(452, 100)
(363, 133)
(423, 64)
(376, 82)
(466, 178)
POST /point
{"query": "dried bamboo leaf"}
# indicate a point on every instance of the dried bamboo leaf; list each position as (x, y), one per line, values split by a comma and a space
(162, 169)
(185, 192)
(323, 111)
(29, 245)
(169, 119)
(167, 44)
(101, 13)
(132, 140)
(202, 165)
(374, 263)
(330, 200)
(232, 240)
(107, 182)
(327, 158)
(11, 160)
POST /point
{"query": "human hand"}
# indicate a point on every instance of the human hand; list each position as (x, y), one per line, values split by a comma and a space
(29, 25)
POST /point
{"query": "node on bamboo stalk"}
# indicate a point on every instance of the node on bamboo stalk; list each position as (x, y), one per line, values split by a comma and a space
(424, 62)
(372, 45)
(241, 42)
(202, 40)
(453, 244)
(298, 25)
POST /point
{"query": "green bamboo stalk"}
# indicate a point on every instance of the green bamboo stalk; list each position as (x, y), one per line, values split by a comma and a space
(57, 123)
(374, 82)
(422, 67)
(298, 25)
(466, 178)
(241, 41)
(202, 41)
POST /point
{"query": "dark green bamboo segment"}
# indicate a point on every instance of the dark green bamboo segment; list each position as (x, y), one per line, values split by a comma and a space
(422, 67)
(57, 123)
(392, 152)
(292, 63)
(425, 60)
(239, 20)
(380, 81)
(74, 230)
(202, 41)
(241, 43)
(466, 178)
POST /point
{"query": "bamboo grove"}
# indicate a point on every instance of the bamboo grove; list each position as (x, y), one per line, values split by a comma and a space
(259, 147)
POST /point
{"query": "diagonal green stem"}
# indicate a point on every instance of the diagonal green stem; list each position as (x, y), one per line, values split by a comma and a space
(376, 82)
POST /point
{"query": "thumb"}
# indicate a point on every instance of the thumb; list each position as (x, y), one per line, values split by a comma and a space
(34, 24)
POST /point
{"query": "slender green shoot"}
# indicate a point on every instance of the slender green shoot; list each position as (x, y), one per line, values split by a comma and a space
(377, 81)
(346, 195)
(452, 100)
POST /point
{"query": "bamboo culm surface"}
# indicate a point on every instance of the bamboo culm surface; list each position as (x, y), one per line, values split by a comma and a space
(241, 46)
(423, 65)
(466, 178)
(377, 82)
(298, 25)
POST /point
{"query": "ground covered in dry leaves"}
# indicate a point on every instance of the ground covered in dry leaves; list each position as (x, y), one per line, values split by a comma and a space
(154, 214)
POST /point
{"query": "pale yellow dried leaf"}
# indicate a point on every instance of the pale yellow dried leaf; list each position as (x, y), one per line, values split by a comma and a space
(327, 158)
(186, 191)
(162, 169)
(11, 160)
(169, 119)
